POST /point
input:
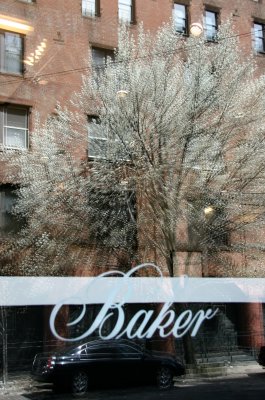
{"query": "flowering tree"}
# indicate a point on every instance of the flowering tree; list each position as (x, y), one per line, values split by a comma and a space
(175, 161)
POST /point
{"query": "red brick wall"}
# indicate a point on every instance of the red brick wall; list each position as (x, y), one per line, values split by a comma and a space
(69, 36)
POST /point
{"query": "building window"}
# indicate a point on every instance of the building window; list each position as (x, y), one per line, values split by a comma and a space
(97, 139)
(11, 53)
(127, 11)
(180, 18)
(100, 56)
(8, 221)
(259, 43)
(114, 215)
(207, 226)
(13, 127)
(216, 225)
(211, 25)
(91, 8)
(105, 145)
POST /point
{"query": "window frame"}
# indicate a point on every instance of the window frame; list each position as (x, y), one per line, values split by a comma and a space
(96, 11)
(9, 223)
(262, 38)
(90, 122)
(106, 53)
(132, 19)
(3, 69)
(201, 229)
(119, 202)
(216, 14)
(3, 126)
(109, 141)
(186, 20)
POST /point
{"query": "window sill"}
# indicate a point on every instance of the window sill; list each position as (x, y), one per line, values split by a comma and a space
(6, 148)
(27, 2)
(92, 159)
(121, 22)
(92, 17)
(95, 158)
(184, 34)
(12, 74)
(259, 53)
(214, 41)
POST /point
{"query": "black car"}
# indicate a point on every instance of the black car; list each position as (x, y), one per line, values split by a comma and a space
(106, 361)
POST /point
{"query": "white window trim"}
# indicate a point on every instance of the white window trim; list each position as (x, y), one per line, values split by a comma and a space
(4, 127)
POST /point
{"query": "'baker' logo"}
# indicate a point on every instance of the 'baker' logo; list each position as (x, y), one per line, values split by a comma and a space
(143, 324)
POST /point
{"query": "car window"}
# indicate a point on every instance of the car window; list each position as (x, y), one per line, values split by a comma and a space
(129, 352)
(102, 350)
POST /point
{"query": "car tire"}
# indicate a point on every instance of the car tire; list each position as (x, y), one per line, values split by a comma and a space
(164, 378)
(79, 384)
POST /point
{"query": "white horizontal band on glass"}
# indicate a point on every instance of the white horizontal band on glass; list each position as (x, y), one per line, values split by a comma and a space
(18, 291)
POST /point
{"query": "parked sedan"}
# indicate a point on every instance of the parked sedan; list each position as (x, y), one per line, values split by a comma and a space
(100, 361)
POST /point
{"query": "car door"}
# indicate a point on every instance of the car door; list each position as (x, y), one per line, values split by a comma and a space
(101, 362)
(131, 363)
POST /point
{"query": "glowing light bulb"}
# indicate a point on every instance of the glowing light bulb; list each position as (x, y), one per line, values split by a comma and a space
(122, 94)
(208, 210)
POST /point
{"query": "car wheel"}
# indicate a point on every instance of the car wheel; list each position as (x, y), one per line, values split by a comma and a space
(164, 378)
(79, 383)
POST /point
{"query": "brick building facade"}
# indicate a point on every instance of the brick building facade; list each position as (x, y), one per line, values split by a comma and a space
(43, 54)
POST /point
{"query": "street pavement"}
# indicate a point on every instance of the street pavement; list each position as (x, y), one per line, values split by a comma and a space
(245, 386)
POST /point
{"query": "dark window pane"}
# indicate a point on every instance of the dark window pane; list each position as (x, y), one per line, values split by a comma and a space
(100, 56)
(17, 117)
(207, 226)
(8, 221)
(114, 218)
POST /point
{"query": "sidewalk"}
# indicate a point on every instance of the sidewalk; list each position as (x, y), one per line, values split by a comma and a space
(18, 383)
(232, 371)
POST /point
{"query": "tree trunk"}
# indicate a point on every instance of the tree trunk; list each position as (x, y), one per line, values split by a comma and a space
(188, 345)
